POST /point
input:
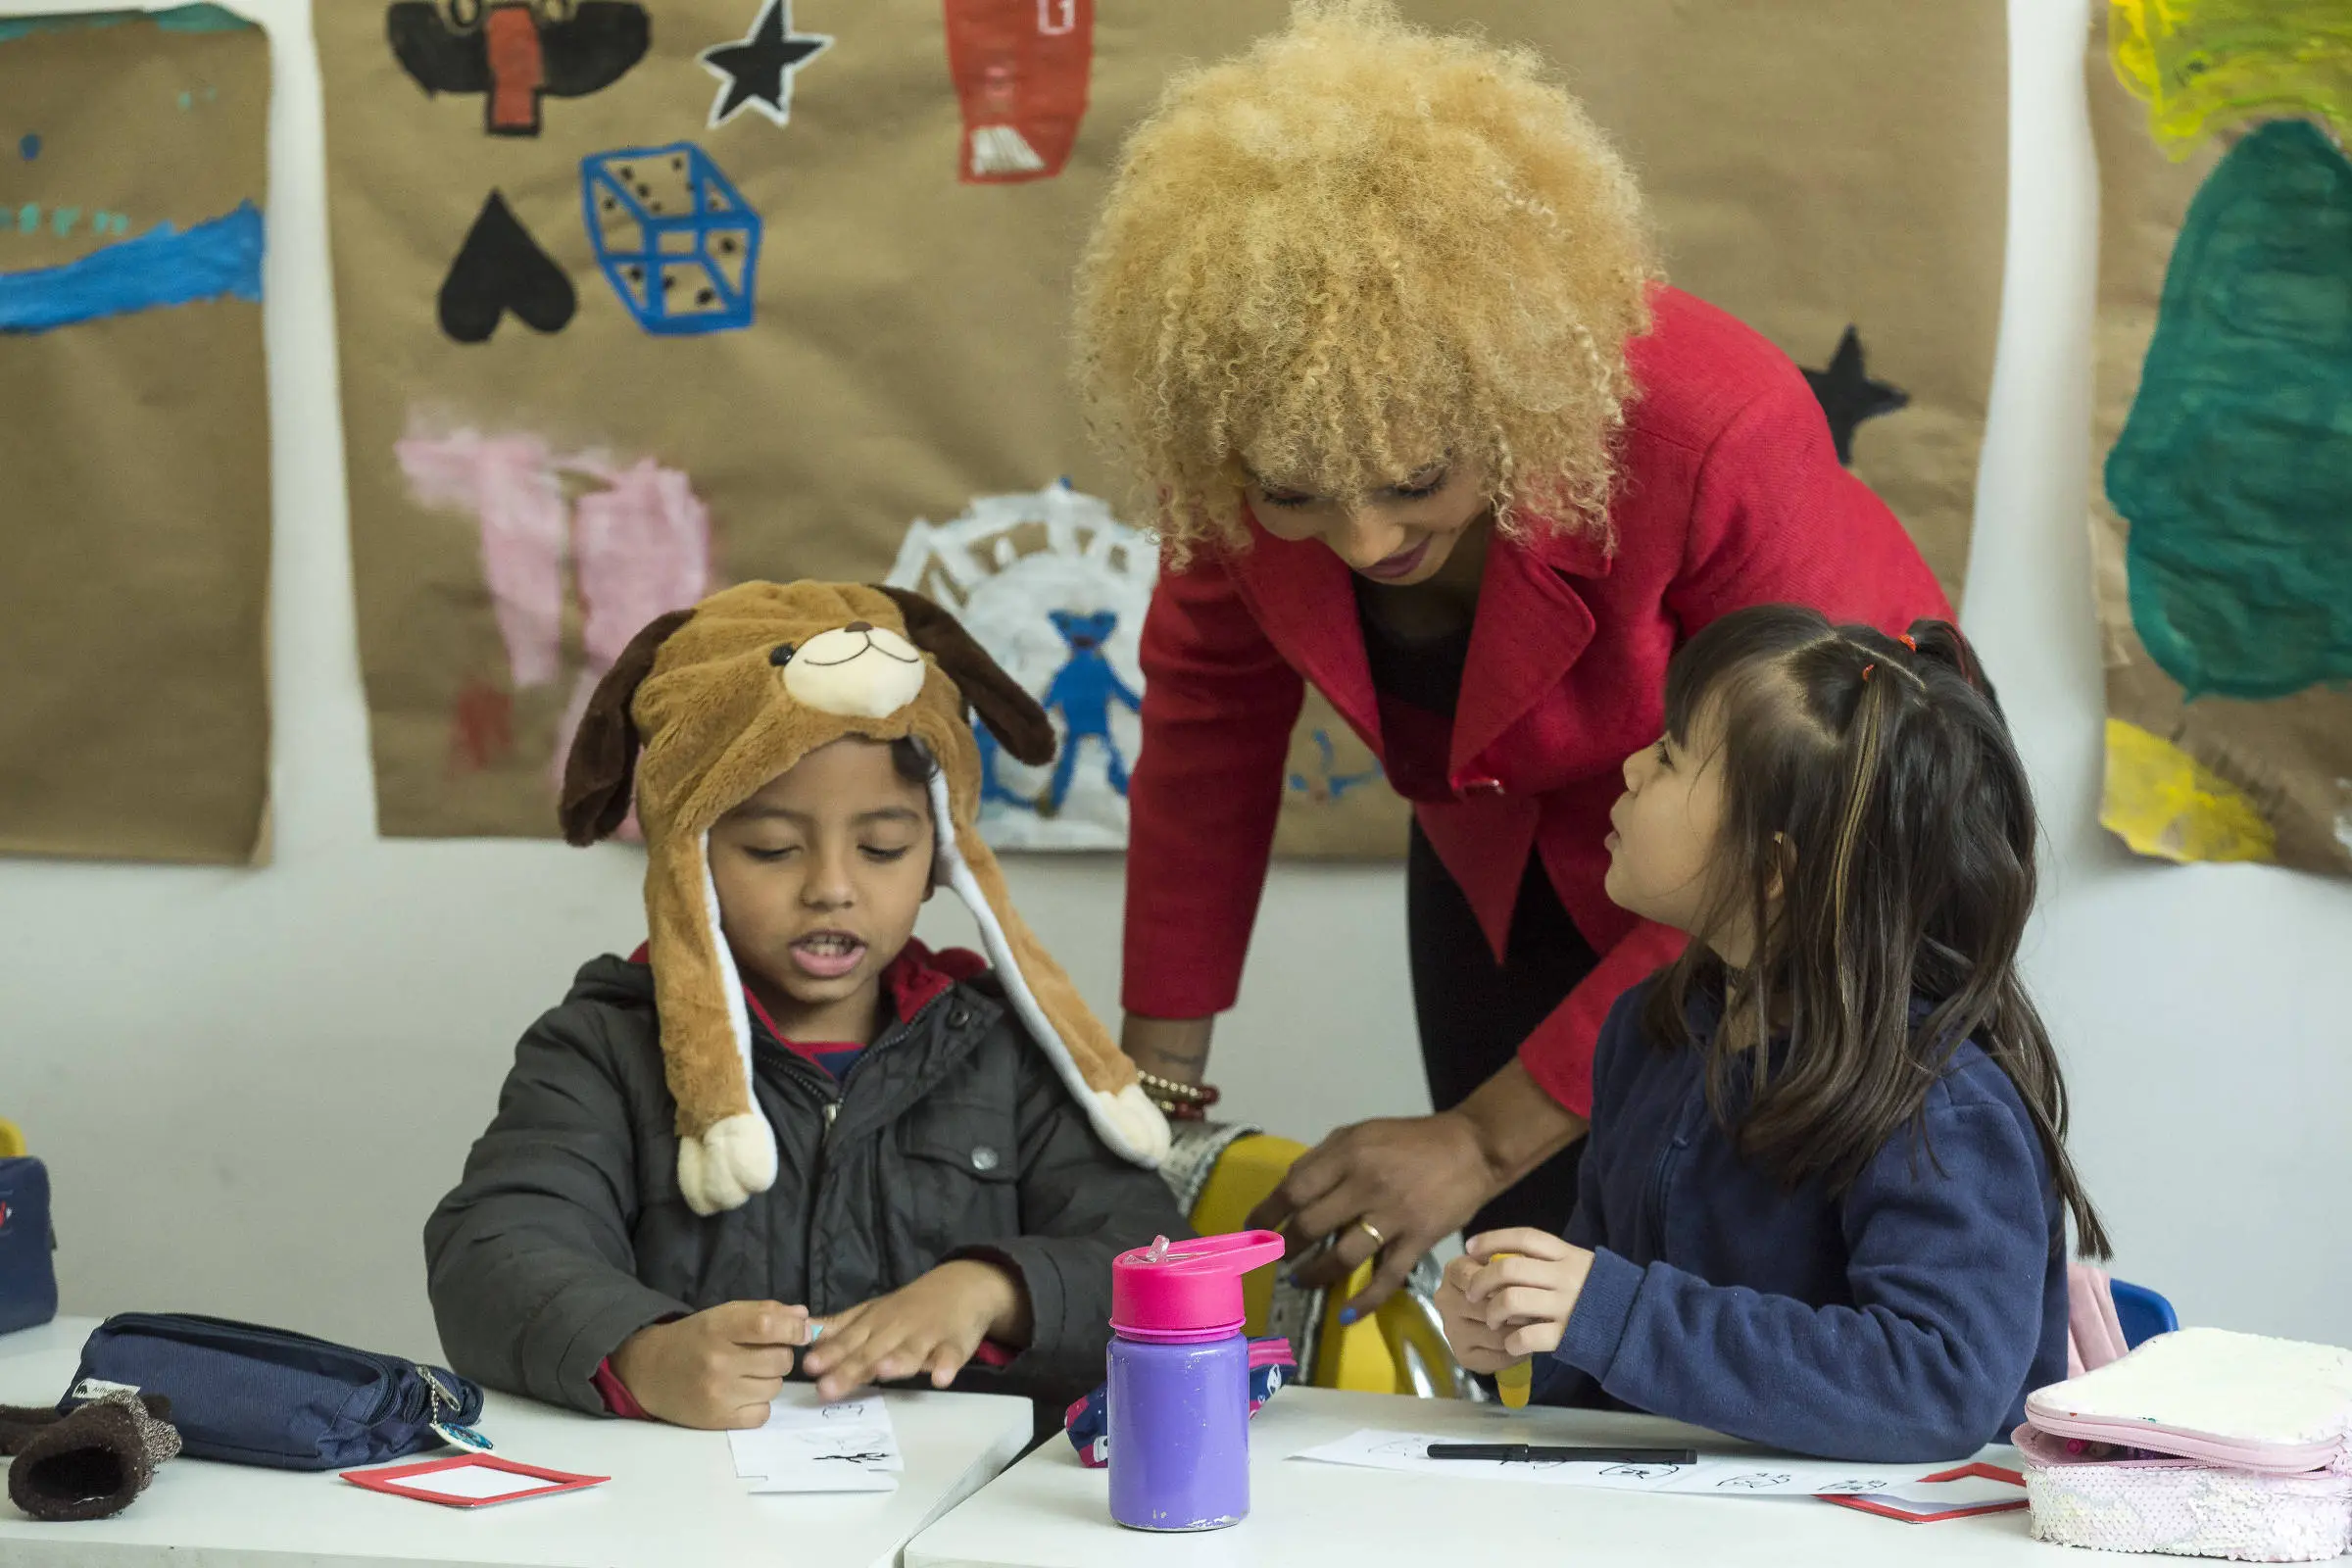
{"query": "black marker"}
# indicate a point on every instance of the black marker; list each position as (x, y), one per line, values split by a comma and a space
(1541, 1454)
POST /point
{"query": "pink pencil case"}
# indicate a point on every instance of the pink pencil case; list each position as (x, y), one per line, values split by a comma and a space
(2203, 1443)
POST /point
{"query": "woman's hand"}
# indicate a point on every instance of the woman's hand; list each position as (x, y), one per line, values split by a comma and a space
(1413, 1181)
(716, 1370)
(1175, 1049)
(931, 1326)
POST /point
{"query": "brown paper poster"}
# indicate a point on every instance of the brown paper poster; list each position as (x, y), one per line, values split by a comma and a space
(134, 718)
(2224, 428)
(642, 298)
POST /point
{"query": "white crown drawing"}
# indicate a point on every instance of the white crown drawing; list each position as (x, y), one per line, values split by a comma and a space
(1054, 587)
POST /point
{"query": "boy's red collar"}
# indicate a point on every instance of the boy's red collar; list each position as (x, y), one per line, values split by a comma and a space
(915, 978)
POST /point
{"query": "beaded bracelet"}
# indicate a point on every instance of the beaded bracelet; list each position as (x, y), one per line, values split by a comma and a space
(1182, 1102)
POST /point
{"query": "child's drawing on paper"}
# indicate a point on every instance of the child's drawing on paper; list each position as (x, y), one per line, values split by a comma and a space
(2226, 588)
(134, 227)
(634, 536)
(1054, 587)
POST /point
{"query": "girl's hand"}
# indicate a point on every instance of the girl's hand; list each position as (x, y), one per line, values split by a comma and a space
(929, 1327)
(1524, 1300)
(1475, 1345)
(716, 1370)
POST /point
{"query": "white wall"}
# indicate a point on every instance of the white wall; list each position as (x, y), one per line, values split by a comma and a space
(253, 1086)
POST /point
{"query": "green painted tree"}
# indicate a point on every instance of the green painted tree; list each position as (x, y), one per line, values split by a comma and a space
(2235, 469)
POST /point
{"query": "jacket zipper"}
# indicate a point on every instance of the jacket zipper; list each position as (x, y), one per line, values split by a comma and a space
(1661, 1179)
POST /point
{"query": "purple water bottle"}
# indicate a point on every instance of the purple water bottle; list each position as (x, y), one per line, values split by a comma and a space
(1179, 1388)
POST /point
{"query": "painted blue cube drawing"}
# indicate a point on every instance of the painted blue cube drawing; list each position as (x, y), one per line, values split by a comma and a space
(675, 239)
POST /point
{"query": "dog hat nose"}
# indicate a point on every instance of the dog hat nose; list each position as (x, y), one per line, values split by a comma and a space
(859, 625)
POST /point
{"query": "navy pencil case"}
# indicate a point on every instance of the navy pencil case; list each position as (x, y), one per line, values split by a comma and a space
(268, 1396)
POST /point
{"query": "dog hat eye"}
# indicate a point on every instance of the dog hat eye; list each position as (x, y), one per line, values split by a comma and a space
(780, 655)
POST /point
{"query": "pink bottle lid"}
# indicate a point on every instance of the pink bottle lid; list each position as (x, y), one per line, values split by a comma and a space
(1187, 1290)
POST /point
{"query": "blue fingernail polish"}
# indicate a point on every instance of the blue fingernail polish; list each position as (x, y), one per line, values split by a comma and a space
(1347, 1316)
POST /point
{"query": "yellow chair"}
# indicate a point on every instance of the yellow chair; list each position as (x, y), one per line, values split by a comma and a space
(1400, 1348)
(12, 1142)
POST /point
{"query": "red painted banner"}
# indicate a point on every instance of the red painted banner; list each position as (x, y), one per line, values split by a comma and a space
(1020, 68)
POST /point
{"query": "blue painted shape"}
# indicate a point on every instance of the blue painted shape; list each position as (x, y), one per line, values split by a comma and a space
(178, 19)
(2235, 467)
(217, 258)
(674, 236)
(1082, 692)
(992, 787)
(1336, 784)
(29, 146)
(2140, 1314)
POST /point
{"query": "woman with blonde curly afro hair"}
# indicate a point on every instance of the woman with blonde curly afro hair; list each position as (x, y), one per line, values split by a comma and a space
(1373, 314)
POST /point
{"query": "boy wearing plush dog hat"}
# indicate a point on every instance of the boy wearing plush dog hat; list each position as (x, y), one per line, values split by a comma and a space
(787, 1124)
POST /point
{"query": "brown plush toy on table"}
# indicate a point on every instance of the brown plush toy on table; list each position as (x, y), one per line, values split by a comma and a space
(731, 694)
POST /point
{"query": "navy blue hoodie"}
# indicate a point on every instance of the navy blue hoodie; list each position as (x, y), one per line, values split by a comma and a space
(1905, 1320)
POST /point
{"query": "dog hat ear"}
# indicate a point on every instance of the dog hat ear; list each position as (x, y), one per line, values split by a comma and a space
(604, 751)
(1083, 1054)
(1010, 714)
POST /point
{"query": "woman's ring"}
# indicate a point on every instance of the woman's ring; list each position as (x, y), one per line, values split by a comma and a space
(1379, 1240)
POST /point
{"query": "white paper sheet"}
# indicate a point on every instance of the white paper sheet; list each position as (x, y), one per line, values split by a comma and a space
(804, 1439)
(476, 1482)
(827, 1478)
(1751, 1475)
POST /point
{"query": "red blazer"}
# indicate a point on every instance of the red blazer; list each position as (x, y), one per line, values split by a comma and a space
(1729, 493)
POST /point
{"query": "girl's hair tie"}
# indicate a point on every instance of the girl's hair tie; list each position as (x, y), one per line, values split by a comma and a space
(1909, 641)
(1866, 670)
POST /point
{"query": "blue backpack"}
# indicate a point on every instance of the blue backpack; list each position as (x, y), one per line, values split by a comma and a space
(27, 1273)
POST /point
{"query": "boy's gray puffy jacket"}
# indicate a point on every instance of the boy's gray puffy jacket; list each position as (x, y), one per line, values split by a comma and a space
(951, 1137)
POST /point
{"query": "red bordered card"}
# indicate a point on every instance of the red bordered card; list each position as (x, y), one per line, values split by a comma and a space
(471, 1481)
(1915, 1502)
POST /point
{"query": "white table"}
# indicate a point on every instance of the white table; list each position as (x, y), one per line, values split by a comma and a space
(674, 1499)
(1050, 1512)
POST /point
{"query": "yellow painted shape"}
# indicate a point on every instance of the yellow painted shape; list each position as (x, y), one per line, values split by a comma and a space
(2163, 802)
(2207, 66)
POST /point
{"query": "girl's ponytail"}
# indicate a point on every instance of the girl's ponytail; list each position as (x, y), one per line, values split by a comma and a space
(1939, 642)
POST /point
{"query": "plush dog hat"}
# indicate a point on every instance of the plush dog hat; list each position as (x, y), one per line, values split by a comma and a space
(731, 694)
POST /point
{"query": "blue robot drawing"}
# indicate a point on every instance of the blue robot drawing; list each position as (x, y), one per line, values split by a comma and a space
(1082, 692)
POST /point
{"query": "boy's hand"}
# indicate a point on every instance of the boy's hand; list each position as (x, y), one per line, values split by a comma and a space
(1519, 1304)
(716, 1369)
(931, 1326)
